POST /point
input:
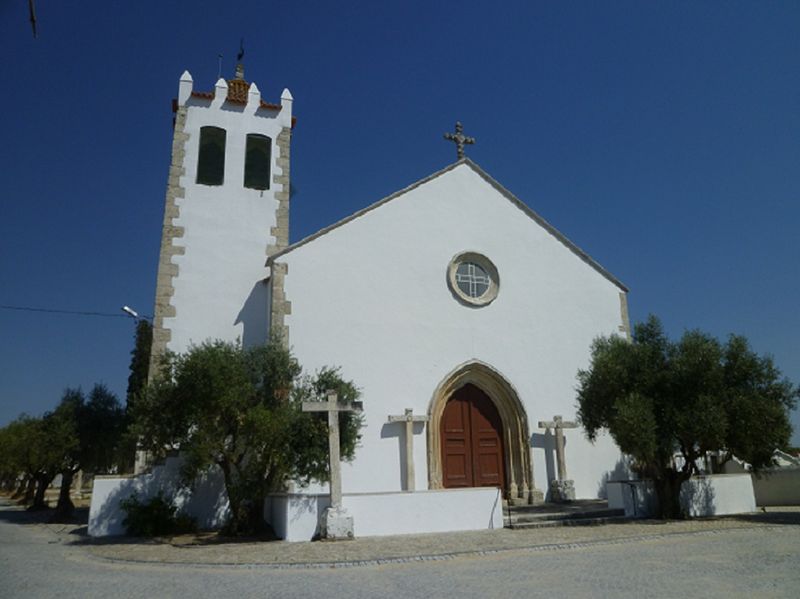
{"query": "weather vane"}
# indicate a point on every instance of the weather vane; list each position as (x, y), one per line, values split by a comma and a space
(459, 139)
(239, 57)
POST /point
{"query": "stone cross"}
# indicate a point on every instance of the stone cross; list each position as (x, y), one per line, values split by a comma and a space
(558, 424)
(460, 139)
(409, 418)
(333, 406)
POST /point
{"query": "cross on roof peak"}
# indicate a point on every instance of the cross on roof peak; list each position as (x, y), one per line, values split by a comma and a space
(459, 139)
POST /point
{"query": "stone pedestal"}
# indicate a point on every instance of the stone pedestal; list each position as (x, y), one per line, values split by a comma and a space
(562, 491)
(336, 524)
(536, 497)
(527, 497)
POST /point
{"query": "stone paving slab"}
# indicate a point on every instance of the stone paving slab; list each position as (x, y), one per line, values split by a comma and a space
(403, 548)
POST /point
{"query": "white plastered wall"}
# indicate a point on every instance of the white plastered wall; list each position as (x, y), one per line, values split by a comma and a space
(296, 517)
(219, 291)
(371, 296)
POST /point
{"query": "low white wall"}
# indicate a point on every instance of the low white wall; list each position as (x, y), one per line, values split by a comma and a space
(701, 496)
(295, 517)
(207, 501)
(636, 497)
(718, 495)
(779, 486)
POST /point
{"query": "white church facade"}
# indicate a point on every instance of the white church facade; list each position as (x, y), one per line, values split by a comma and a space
(450, 301)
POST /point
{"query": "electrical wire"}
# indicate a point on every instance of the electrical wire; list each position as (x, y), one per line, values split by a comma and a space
(72, 312)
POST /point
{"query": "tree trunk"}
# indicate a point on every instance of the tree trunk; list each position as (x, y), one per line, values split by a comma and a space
(42, 482)
(26, 490)
(30, 491)
(22, 486)
(247, 512)
(65, 508)
(233, 526)
(668, 490)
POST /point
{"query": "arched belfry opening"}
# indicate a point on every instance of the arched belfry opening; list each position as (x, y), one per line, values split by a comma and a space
(470, 384)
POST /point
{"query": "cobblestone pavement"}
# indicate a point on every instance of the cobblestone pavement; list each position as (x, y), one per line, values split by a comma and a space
(403, 547)
(729, 557)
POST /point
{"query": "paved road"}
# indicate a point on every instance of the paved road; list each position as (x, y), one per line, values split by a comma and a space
(753, 562)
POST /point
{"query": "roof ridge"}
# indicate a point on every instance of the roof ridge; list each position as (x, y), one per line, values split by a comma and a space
(532, 214)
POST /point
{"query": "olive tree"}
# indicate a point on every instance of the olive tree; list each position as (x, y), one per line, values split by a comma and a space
(659, 398)
(90, 429)
(240, 410)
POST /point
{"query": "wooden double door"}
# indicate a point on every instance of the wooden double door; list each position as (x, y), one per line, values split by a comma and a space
(472, 441)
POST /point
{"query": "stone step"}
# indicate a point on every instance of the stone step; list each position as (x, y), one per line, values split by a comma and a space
(581, 512)
(541, 523)
(539, 515)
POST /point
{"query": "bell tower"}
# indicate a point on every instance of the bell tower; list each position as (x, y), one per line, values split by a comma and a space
(226, 211)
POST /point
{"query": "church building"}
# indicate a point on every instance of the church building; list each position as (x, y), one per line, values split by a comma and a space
(461, 314)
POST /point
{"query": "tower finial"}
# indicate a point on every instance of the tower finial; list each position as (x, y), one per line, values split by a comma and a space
(239, 57)
(460, 139)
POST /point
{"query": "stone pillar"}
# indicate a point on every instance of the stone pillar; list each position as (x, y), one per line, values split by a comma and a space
(336, 523)
(562, 490)
(409, 419)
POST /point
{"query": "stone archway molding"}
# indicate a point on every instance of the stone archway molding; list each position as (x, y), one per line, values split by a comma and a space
(520, 489)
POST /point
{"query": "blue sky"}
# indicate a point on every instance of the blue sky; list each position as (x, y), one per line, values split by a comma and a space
(661, 137)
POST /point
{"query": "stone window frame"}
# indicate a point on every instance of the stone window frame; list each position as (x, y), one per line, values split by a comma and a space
(487, 265)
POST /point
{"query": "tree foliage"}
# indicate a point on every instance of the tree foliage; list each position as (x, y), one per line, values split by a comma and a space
(140, 361)
(240, 409)
(155, 517)
(660, 398)
(137, 381)
(88, 432)
(77, 434)
(33, 450)
(21, 459)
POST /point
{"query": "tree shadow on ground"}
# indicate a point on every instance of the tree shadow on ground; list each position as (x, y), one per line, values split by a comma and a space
(203, 538)
(789, 516)
(18, 514)
(15, 513)
(77, 528)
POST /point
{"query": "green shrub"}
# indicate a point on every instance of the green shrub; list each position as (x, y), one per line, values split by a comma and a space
(156, 517)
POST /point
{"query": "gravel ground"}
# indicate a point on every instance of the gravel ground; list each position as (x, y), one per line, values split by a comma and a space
(209, 550)
(753, 556)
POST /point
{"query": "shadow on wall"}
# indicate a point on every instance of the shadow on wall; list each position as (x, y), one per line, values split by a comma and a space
(777, 486)
(305, 505)
(698, 497)
(398, 430)
(621, 472)
(546, 441)
(206, 500)
(310, 508)
(253, 316)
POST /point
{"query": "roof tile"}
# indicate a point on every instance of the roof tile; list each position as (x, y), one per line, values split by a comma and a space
(238, 91)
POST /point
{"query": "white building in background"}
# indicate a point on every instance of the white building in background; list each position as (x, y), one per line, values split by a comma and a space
(451, 298)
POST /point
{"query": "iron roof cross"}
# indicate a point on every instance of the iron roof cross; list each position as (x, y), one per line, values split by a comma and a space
(459, 139)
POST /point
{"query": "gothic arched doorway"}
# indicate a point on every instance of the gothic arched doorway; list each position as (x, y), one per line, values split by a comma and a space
(517, 482)
(472, 441)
